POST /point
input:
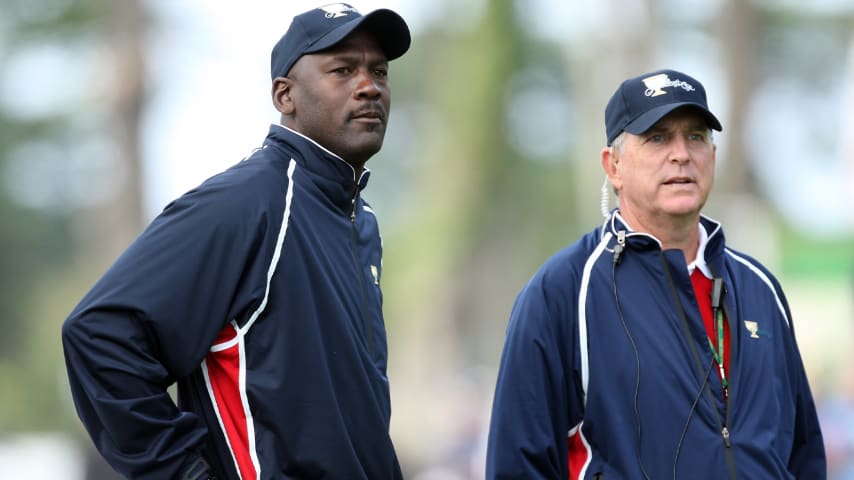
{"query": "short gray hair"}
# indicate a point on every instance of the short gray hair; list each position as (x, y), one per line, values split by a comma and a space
(619, 143)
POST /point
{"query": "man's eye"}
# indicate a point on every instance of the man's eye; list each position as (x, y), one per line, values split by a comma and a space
(342, 70)
(657, 138)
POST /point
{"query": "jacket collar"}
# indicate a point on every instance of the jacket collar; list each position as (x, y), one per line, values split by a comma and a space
(333, 175)
(709, 254)
(699, 262)
(713, 253)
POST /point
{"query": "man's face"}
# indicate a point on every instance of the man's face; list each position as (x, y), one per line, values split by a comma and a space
(668, 171)
(341, 97)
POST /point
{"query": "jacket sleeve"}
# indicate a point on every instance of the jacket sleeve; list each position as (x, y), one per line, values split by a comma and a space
(808, 456)
(531, 407)
(150, 320)
(807, 459)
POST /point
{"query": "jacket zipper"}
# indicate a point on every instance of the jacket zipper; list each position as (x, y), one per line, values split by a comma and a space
(366, 319)
(725, 433)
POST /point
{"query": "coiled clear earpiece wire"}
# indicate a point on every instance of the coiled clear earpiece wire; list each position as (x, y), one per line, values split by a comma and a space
(603, 206)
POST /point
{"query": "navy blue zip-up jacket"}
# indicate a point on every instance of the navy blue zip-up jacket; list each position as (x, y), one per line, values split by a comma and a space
(596, 388)
(259, 294)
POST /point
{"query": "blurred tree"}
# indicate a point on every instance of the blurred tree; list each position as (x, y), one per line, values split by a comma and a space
(61, 226)
(483, 210)
(736, 31)
(625, 47)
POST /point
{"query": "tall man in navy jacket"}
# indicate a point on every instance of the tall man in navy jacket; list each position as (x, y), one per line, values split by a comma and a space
(259, 291)
(649, 349)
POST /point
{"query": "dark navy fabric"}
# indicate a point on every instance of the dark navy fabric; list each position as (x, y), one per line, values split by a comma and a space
(315, 352)
(540, 395)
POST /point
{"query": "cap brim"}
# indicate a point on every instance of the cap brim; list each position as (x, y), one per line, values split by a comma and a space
(388, 28)
(650, 118)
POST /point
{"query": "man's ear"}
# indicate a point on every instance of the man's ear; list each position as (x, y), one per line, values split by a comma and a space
(609, 160)
(282, 95)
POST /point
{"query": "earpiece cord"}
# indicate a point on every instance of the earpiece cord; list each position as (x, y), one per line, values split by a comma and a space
(637, 363)
(603, 205)
(691, 414)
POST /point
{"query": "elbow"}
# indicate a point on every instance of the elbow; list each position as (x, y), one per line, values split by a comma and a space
(77, 336)
(72, 332)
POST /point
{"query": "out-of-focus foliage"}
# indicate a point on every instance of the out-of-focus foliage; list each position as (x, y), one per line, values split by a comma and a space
(60, 160)
(35, 244)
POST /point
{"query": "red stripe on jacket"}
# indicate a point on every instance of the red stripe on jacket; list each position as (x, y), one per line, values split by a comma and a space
(224, 375)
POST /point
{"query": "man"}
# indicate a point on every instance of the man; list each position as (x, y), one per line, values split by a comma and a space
(259, 291)
(649, 349)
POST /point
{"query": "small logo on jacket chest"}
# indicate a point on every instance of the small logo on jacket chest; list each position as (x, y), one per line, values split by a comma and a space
(752, 327)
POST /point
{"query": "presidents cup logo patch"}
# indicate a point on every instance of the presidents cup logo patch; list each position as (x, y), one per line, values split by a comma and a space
(338, 10)
(656, 84)
(752, 327)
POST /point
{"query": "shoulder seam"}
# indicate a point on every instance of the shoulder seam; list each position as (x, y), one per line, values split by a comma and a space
(762, 276)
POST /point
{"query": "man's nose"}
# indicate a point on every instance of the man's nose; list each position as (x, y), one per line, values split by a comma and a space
(679, 152)
(367, 85)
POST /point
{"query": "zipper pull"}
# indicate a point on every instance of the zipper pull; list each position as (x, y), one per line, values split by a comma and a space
(725, 434)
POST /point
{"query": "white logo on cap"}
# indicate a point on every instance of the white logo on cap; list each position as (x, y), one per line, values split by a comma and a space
(656, 83)
(337, 10)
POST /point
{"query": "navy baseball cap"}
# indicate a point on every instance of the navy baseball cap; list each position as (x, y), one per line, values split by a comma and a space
(642, 101)
(324, 27)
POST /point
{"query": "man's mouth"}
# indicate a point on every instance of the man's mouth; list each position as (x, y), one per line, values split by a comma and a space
(369, 114)
(678, 181)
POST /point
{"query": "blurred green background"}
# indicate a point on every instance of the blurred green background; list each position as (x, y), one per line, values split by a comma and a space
(109, 109)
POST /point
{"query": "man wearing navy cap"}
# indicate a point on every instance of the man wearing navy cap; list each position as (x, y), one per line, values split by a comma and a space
(258, 292)
(650, 349)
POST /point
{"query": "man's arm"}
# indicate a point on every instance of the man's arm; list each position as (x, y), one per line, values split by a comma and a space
(807, 459)
(119, 390)
(149, 321)
(530, 411)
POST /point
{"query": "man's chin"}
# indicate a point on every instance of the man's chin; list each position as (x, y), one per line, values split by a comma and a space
(369, 141)
(364, 148)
